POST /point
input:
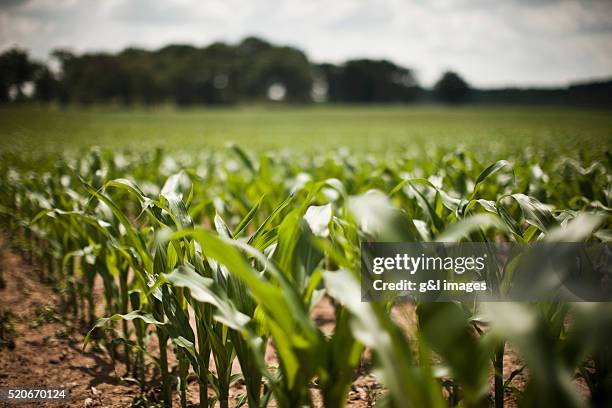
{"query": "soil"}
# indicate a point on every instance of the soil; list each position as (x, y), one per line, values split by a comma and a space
(42, 347)
(45, 351)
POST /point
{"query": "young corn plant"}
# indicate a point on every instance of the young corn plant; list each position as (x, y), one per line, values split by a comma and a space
(225, 259)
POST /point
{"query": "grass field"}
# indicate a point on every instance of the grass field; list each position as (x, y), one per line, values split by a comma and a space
(491, 130)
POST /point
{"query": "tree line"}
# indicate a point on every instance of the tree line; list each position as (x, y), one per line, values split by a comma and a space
(250, 71)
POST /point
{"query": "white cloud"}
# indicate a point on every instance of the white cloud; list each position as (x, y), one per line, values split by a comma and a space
(491, 43)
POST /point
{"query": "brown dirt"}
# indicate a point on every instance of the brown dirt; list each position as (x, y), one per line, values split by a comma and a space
(47, 351)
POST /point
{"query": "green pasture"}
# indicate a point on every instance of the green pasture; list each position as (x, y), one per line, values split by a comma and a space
(485, 131)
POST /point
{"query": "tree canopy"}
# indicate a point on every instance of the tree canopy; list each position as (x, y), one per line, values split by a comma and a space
(451, 88)
(251, 70)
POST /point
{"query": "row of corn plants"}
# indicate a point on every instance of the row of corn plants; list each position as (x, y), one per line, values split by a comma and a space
(210, 258)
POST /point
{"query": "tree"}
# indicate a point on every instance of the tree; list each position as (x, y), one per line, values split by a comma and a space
(264, 65)
(16, 70)
(95, 78)
(45, 84)
(451, 88)
(367, 80)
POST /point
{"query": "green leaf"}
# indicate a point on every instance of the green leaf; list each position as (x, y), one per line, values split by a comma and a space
(407, 384)
(466, 226)
(488, 172)
(247, 218)
(577, 230)
(136, 314)
(206, 290)
(318, 218)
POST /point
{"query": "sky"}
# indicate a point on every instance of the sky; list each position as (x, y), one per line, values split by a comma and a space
(491, 43)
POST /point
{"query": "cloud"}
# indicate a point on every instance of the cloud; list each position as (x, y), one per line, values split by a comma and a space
(491, 43)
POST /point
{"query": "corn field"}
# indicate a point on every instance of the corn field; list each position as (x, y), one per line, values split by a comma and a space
(208, 258)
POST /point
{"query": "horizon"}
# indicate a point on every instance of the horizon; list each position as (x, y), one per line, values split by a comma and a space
(542, 45)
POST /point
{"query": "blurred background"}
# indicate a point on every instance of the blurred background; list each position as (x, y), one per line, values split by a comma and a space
(189, 52)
